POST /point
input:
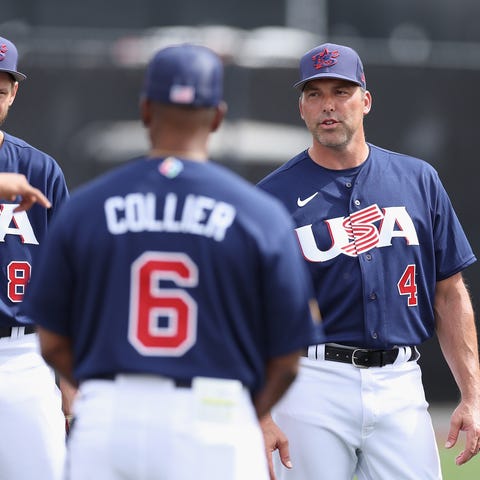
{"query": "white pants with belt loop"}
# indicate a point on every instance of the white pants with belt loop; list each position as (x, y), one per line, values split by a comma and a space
(32, 425)
(143, 427)
(343, 421)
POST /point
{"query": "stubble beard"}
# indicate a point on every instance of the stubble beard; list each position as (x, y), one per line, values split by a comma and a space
(334, 140)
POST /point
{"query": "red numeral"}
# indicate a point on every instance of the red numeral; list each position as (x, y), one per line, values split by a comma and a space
(407, 285)
(163, 321)
(18, 274)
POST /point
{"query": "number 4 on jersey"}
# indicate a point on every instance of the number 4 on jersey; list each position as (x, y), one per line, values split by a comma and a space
(407, 285)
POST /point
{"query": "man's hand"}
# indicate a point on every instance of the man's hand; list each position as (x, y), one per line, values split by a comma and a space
(14, 184)
(465, 418)
(457, 335)
(274, 439)
(68, 396)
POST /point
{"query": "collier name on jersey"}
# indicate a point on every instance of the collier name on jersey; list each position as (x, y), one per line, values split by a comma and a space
(195, 214)
(356, 234)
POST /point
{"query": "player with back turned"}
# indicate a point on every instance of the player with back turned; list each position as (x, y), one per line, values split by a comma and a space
(32, 443)
(385, 250)
(164, 291)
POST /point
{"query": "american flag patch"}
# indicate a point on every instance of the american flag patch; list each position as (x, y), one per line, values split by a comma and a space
(182, 94)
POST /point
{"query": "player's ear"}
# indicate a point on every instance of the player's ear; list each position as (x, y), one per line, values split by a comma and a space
(14, 93)
(300, 106)
(220, 113)
(146, 111)
(367, 102)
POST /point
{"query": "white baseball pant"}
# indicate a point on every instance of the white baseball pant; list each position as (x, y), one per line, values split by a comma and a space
(144, 427)
(32, 440)
(343, 421)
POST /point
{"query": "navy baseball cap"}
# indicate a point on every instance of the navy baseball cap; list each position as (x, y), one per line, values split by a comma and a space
(186, 74)
(331, 61)
(9, 58)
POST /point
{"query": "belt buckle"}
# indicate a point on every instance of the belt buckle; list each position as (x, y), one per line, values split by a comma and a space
(354, 363)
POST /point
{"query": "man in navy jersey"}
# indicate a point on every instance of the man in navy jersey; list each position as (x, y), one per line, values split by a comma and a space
(385, 252)
(165, 292)
(32, 444)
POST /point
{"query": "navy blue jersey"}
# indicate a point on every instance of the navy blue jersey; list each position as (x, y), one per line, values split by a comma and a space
(379, 236)
(21, 233)
(176, 268)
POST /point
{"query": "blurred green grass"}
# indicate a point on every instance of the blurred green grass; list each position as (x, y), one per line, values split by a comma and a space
(441, 420)
(451, 471)
(469, 471)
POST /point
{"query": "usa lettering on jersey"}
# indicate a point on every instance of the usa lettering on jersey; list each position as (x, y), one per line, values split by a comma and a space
(196, 214)
(16, 223)
(358, 233)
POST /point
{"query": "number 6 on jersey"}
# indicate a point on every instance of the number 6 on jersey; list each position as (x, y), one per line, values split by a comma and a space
(162, 321)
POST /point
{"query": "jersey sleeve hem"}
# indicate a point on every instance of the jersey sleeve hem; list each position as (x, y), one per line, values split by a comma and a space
(463, 266)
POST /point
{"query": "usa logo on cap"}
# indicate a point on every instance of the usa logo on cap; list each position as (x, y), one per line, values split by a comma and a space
(325, 59)
(331, 61)
(3, 51)
(8, 59)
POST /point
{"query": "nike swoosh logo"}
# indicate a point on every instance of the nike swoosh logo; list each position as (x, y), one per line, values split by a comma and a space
(302, 203)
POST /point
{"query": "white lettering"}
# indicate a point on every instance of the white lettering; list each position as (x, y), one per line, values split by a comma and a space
(21, 224)
(357, 233)
(116, 224)
(198, 215)
(397, 217)
(135, 212)
(220, 220)
(311, 252)
(153, 225)
(170, 225)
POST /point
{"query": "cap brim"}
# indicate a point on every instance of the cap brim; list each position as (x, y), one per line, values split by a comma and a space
(17, 75)
(301, 83)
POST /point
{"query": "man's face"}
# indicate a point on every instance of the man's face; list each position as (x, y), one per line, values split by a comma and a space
(333, 110)
(8, 90)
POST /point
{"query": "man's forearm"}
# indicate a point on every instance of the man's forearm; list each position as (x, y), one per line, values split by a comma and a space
(281, 372)
(457, 335)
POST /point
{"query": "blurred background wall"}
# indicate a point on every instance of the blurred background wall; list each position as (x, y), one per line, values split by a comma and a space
(85, 60)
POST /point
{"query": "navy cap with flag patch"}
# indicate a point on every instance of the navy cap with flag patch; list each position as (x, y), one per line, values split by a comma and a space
(185, 74)
(9, 59)
(331, 61)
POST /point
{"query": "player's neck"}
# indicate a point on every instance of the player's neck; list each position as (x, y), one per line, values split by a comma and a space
(349, 156)
(176, 142)
(2, 137)
(187, 154)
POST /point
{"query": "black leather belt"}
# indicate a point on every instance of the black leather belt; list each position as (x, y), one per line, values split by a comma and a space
(178, 383)
(364, 358)
(7, 331)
